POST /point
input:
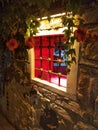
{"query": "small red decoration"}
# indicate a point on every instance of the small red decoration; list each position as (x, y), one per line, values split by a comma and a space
(12, 44)
(83, 35)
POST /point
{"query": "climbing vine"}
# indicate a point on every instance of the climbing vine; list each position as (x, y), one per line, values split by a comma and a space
(15, 21)
(75, 30)
(15, 41)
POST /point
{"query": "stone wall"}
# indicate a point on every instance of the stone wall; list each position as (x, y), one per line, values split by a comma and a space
(16, 107)
(88, 62)
(69, 112)
(87, 89)
(18, 110)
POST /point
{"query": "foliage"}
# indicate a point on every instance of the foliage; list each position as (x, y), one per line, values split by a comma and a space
(70, 24)
(15, 17)
(16, 20)
(75, 31)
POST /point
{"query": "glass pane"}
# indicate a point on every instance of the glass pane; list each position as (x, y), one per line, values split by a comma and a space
(63, 81)
(56, 53)
(45, 41)
(57, 38)
(37, 40)
(62, 69)
(45, 52)
(59, 66)
(52, 40)
(55, 63)
(54, 79)
(37, 52)
(56, 68)
(51, 65)
(51, 52)
(37, 73)
(37, 63)
(45, 76)
(45, 64)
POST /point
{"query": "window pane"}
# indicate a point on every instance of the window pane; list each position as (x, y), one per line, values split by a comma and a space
(37, 52)
(51, 65)
(45, 41)
(45, 64)
(37, 41)
(62, 69)
(54, 79)
(37, 73)
(59, 65)
(52, 40)
(45, 76)
(63, 81)
(56, 38)
(45, 52)
(37, 64)
(56, 68)
(51, 52)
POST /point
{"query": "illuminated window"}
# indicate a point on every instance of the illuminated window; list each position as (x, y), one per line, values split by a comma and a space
(49, 59)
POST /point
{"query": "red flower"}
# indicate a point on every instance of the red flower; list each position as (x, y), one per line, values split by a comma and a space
(80, 34)
(29, 42)
(12, 44)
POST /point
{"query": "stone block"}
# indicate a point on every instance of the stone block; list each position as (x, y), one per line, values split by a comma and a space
(82, 126)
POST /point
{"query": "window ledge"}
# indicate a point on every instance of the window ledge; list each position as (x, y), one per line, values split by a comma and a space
(50, 84)
(54, 88)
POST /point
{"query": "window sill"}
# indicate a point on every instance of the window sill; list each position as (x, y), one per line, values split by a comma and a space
(50, 86)
(54, 88)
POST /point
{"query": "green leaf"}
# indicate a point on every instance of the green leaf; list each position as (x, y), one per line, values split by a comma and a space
(71, 52)
(72, 40)
(73, 59)
(70, 22)
(67, 32)
(69, 63)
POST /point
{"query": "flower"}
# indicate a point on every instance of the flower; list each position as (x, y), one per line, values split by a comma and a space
(80, 34)
(12, 44)
(29, 42)
(83, 35)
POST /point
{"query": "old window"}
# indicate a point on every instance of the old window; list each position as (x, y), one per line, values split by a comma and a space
(49, 59)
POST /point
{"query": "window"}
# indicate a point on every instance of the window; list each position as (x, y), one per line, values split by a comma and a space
(49, 59)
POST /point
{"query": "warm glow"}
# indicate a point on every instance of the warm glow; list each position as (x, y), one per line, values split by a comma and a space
(67, 84)
(54, 26)
(53, 85)
(52, 16)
